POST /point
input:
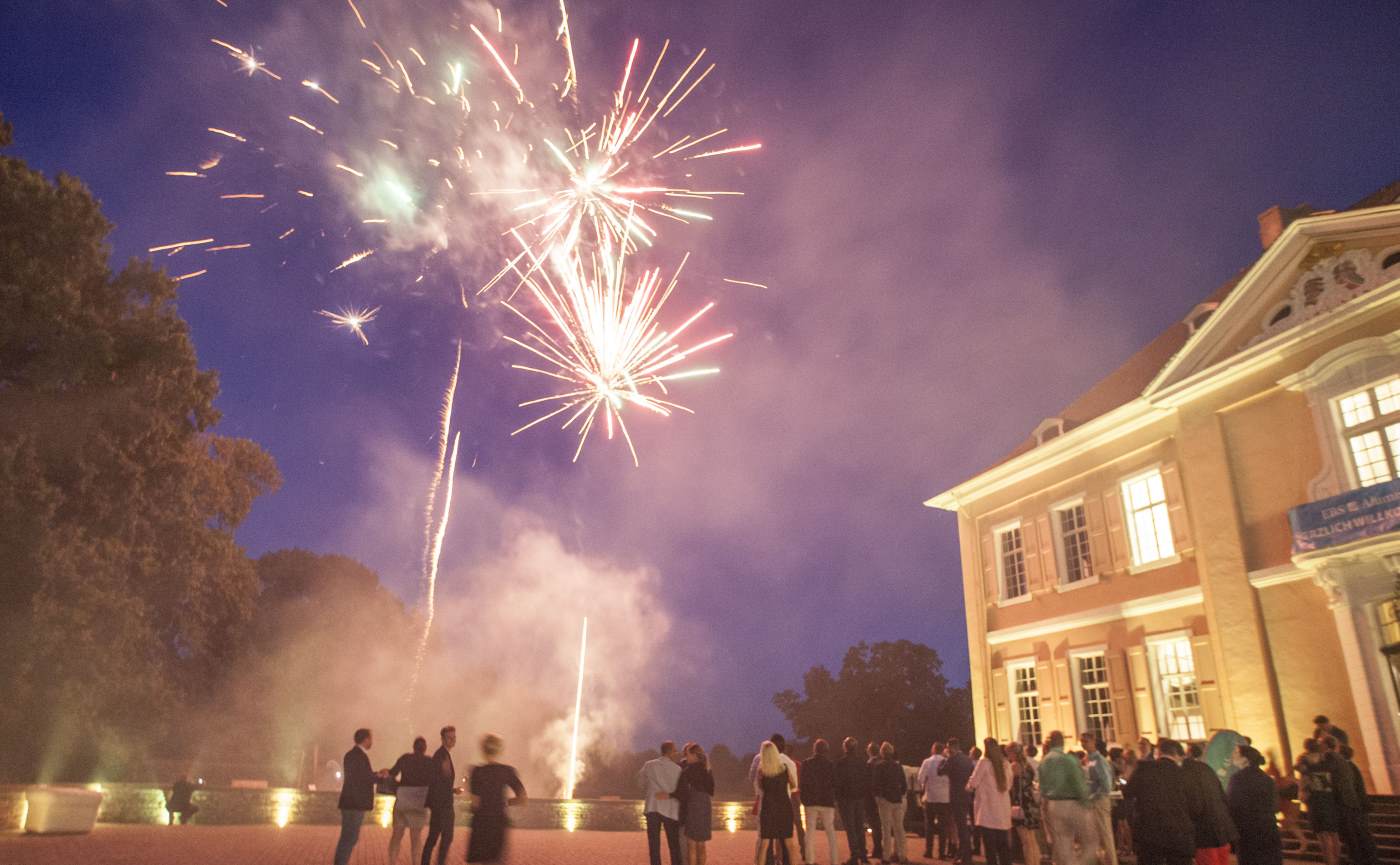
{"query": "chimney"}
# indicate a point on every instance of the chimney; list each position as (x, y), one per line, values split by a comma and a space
(1273, 221)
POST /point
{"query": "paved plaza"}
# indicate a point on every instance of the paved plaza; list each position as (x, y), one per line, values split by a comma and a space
(313, 845)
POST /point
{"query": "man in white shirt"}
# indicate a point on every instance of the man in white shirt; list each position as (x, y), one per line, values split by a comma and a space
(791, 765)
(933, 792)
(658, 778)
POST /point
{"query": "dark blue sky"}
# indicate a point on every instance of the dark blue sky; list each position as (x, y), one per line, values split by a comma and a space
(967, 212)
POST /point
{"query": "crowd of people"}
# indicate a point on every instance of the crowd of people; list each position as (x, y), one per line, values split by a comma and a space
(424, 791)
(1161, 803)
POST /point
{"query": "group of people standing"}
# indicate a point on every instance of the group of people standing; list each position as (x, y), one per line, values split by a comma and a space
(424, 795)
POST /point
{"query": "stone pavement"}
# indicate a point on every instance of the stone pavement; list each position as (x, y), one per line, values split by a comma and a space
(314, 845)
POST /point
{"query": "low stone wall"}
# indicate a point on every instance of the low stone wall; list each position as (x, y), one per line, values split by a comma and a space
(138, 803)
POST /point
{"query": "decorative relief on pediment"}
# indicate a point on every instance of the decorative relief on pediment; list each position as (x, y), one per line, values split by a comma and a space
(1325, 284)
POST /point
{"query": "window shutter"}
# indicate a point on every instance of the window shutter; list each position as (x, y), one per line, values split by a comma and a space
(989, 568)
(1098, 534)
(1064, 698)
(1139, 662)
(1212, 709)
(1031, 548)
(1117, 533)
(1124, 719)
(1049, 705)
(1176, 507)
(1049, 565)
(1001, 709)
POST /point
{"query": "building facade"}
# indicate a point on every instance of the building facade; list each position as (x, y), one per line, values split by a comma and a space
(1210, 537)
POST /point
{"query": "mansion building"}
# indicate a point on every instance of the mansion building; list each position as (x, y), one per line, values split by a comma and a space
(1209, 538)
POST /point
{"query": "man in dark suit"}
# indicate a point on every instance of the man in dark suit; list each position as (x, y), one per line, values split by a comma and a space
(1164, 808)
(958, 767)
(440, 792)
(356, 794)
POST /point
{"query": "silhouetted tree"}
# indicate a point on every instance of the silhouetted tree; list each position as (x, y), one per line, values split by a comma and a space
(889, 690)
(123, 587)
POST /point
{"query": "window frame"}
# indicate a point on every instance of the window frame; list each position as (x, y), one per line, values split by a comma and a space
(1013, 707)
(1159, 695)
(1081, 716)
(1342, 434)
(1061, 560)
(997, 531)
(1130, 528)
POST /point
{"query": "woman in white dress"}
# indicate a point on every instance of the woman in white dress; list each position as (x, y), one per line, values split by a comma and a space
(991, 809)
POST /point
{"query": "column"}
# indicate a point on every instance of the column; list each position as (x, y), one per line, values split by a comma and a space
(1356, 630)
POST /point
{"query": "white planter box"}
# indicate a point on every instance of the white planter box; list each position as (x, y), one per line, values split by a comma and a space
(61, 810)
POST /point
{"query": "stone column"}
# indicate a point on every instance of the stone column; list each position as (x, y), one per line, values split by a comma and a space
(1356, 630)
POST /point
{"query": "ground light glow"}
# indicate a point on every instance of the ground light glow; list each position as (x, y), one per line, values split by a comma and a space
(572, 810)
(733, 815)
(282, 807)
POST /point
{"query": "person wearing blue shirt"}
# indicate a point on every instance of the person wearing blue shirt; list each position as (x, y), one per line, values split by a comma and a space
(1100, 777)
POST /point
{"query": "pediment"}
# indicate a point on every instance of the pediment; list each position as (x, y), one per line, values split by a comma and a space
(1319, 265)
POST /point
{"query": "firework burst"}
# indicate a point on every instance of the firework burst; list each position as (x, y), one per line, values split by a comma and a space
(602, 338)
(352, 319)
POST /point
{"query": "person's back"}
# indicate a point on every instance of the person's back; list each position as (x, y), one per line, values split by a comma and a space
(889, 780)
(413, 770)
(1213, 826)
(933, 786)
(817, 782)
(958, 768)
(181, 795)
(1162, 817)
(852, 777)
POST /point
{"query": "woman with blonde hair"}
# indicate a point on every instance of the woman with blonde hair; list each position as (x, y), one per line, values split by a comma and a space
(488, 785)
(991, 785)
(774, 785)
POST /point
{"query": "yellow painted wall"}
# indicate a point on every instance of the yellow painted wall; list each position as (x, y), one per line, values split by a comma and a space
(1274, 454)
(1307, 659)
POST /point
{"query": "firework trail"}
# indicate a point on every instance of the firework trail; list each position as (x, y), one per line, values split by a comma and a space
(578, 714)
(432, 540)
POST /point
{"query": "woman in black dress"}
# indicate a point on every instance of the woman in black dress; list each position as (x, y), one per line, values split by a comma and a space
(775, 786)
(1252, 797)
(488, 785)
(696, 790)
(1320, 795)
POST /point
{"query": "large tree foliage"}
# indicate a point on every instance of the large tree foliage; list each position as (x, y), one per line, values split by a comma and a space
(893, 691)
(124, 591)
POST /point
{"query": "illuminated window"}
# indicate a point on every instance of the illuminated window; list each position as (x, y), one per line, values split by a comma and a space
(1178, 695)
(1077, 564)
(1149, 526)
(1371, 426)
(1011, 563)
(1025, 702)
(1093, 700)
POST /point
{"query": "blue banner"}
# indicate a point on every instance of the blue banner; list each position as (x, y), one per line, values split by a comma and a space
(1351, 516)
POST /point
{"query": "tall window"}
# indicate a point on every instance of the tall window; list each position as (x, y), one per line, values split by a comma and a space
(1073, 529)
(1178, 695)
(1149, 527)
(1371, 426)
(1025, 703)
(1095, 702)
(1011, 563)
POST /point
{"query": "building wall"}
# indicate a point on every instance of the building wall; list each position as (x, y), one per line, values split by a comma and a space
(1124, 644)
(1307, 656)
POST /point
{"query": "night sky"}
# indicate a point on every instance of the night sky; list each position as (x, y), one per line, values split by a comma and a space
(967, 213)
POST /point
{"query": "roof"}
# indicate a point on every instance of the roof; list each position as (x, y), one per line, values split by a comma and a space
(1129, 380)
